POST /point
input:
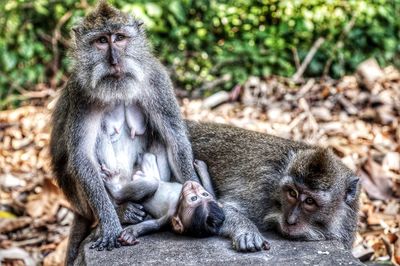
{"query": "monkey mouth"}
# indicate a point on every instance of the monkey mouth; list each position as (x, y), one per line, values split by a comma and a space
(117, 72)
(292, 231)
(118, 76)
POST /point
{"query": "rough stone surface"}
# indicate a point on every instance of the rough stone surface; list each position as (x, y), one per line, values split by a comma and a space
(168, 249)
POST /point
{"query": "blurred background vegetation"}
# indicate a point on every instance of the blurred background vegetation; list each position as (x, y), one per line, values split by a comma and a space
(202, 41)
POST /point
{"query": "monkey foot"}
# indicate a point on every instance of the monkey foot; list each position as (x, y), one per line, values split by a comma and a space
(108, 242)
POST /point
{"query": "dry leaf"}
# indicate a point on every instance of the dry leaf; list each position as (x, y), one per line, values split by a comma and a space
(46, 203)
(56, 258)
(380, 186)
(8, 225)
(17, 254)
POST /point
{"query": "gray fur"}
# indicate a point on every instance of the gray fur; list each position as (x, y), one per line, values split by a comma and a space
(248, 172)
(90, 94)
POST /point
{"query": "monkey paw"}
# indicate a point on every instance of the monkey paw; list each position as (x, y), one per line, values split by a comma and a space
(131, 213)
(108, 239)
(250, 242)
(109, 175)
(138, 175)
(129, 236)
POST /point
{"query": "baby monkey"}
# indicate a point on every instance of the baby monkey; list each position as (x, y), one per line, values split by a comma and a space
(189, 209)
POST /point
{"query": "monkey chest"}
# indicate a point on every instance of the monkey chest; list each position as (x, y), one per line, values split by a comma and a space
(123, 137)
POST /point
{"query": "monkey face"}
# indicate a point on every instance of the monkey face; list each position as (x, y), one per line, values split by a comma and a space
(310, 213)
(108, 54)
(198, 213)
(192, 195)
(300, 207)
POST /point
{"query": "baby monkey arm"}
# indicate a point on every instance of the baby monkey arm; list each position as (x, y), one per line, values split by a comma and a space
(202, 172)
(131, 233)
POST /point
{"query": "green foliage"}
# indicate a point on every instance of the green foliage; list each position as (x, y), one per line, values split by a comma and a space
(203, 40)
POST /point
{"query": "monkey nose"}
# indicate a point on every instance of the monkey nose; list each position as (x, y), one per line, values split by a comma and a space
(116, 70)
(291, 220)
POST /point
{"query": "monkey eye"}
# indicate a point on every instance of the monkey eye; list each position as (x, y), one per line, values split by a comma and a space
(309, 201)
(119, 37)
(102, 40)
(293, 193)
(205, 194)
(194, 198)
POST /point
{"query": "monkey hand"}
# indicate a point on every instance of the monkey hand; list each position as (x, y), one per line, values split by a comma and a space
(108, 238)
(129, 236)
(109, 175)
(250, 241)
(131, 213)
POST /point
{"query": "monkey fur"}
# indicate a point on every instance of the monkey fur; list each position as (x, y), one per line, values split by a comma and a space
(112, 66)
(188, 208)
(257, 178)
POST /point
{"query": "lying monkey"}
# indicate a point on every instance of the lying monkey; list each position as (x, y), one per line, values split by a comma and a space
(189, 208)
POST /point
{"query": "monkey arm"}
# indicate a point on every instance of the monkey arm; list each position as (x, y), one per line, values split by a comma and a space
(131, 232)
(202, 172)
(82, 166)
(244, 234)
(163, 112)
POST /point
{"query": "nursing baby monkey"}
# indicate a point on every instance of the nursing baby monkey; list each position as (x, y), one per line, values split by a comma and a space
(188, 208)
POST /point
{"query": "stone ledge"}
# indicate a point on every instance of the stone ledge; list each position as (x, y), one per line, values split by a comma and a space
(168, 249)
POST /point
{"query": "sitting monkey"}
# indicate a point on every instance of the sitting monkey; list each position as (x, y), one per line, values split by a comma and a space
(189, 208)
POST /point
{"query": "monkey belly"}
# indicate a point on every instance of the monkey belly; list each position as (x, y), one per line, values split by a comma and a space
(127, 151)
(120, 152)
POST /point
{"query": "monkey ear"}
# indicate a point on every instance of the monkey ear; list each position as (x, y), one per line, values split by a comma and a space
(77, 30)
(352, 190)
(140, 23)
(177, 224)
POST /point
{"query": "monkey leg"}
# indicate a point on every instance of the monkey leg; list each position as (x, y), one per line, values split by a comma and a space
(79, 230)
(244, 234)
(149, 166)
(202, 172)
(136, 190)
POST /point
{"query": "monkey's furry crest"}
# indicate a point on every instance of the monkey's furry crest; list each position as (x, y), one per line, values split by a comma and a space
(105, 14)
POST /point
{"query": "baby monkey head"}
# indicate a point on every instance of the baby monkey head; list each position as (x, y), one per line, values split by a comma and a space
(198, 214)
(319, 196)
(108, 51)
